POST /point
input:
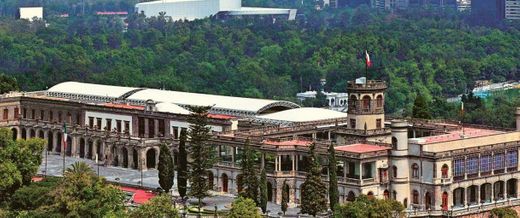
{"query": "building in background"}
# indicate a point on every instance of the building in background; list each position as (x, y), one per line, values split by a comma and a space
(512, 9)
(30, 13)
(463, 5)
(200, 9)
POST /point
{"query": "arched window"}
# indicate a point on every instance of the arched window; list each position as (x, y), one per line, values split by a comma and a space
(394, 143)
(444, 171)
(394, 195)
(370, 195)
(352, 103)
(415, 170)
(415, 195)
(394, 171)
(366, 102)
(379, 101)
(405, 203)
(386, 194)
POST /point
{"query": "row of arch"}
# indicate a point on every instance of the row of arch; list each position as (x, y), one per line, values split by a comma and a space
(485, 193)
(88, 147)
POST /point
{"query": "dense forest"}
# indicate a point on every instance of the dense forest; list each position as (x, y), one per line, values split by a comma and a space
(437, 53)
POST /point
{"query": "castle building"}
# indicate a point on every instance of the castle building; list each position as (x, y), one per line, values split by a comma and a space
(433, 167)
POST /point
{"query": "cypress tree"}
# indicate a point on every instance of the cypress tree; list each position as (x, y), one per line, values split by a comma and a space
(333, 178)
(182, 168)
(249, 180)
(314, 191)
(421, 109)
(285, 197)
(202, 154)
(263, 191)
(166, 170)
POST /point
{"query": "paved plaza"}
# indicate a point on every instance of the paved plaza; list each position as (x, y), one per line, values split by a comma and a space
(52, 165)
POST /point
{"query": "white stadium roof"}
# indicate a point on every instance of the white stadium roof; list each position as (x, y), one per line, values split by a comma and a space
(171, 108)
(221, 104)
(302, 115)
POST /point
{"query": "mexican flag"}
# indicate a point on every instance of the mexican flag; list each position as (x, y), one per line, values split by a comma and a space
(367, 59)
(64, 138)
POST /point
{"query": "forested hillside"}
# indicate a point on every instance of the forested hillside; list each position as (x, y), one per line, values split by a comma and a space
(436, 53)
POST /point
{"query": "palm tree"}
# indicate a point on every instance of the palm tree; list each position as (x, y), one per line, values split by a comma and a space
(79, 169)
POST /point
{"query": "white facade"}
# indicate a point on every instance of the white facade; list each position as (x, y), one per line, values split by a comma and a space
(105, 117)
(200, 9)
(29, 13)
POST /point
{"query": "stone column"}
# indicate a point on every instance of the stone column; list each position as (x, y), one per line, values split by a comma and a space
(361, 173)
(46, 135)
(94, 150)
(146, 128)
(142, 158)
(493, 192)
(87, 148)
(263, 161)
(28, 133)
(54, 140)
(478, 194)
(130, 157)
(19, 133)
(293, 169)
(345, 170)
(74, 148)
(276, 164)
(233, 150)
(156, 127)
(157, 151)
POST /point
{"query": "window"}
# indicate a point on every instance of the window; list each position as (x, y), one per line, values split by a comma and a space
(444, 171)
(51, 116)
(6, 114)
(78, 118)
(91, 122)
(127, 126)
(366, 102)
(394, 143)
(24, 111)
(33, 114)
(379, 101)
(499, 161)
(42, 114)
(353, 123)
(175, 132)
(98, 123)
(512, 158)
(415, 199)
(415, 170)
(394, 171)
(379, 124)
(485, 163)
(16, 113)
(118, 125)
(109, 125)
(472, 165)
(459, 167)
(59, 117)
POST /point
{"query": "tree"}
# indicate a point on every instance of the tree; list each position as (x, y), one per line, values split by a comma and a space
(503, 213)
(182, 168)
(7, 84)
(249, 181)
(11, 179)
(83, 194)
(166, 170)
(421, 109)
(285, 197)
(333, 178)
(158, 207)
(202, 154)
(370, 207)
(263, 191)
(244, 207)
(314, 191)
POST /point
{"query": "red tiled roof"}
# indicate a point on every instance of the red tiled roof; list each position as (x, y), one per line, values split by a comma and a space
(289, 143)
(361, 148)
(141, 196)
(221, 116)
(455, 135)
(124, 106)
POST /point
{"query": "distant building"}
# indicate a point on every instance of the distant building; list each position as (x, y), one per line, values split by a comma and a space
(199, 9)
(463, 5)
(29, 13)
(336, 101)
(391, 4)
(512, 9)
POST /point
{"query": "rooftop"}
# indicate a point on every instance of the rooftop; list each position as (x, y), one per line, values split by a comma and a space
(295, 142)
(302, 115)
(361, 148)
(466, 132)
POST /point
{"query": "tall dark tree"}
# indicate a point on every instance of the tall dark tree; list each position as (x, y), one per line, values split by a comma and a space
(314, 191)
(249, 181)
(333, 178)
(285, 197)
(263, 191)
(166, 168)
(202, 154)
(421, 108)
(182, 166)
